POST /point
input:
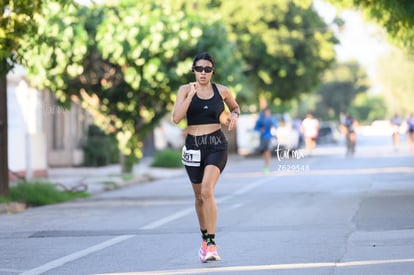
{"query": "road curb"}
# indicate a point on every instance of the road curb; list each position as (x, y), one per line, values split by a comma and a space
(104, 184)
(12, 207)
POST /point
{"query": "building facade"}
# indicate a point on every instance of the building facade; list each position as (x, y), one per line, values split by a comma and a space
(41, 133)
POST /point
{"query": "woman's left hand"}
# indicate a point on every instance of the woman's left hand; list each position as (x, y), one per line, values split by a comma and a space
(232, 120)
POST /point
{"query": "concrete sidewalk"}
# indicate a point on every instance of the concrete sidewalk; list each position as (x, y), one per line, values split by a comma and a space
(95, 180)
(99, 179)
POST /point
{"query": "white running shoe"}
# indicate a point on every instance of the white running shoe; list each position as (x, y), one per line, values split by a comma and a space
(211, 254)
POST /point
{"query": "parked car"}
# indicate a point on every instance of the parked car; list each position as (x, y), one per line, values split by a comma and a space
(328, 133)
(286, 137)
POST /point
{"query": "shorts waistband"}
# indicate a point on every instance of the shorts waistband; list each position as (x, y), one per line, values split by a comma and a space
(219, 131)
(214, 138)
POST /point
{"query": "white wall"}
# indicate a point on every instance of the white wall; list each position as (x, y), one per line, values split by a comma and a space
(26, 137)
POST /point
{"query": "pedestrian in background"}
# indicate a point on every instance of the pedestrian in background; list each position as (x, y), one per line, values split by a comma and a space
(264, 125)
(205, 152)
(348, 128)
(410, 132)
(310, 130)
(297, 125)
(396, 122)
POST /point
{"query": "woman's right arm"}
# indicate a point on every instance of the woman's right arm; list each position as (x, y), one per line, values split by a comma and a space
(184, 96)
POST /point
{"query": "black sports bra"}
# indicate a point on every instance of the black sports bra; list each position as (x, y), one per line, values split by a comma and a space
(205, 111)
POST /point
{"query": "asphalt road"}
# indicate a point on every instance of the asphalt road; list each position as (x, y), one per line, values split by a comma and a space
(324, 214)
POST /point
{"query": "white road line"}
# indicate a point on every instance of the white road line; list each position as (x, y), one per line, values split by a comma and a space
(243, 190)
(190, 210)
(257, 268)
(168, 219)
(77, 255)
(236, 205)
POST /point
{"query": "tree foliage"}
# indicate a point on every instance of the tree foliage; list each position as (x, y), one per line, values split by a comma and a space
(340, 87)
(16, 20)
(395, 16)
(367, 108)
(123, 62)
(395, 73)
(286, 45)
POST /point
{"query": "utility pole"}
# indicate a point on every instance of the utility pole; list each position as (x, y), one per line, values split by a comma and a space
(4, 159)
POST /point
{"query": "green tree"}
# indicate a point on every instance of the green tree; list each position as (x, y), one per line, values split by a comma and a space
(395, 74)
(340, 87)
(367, 108)
(124, 62)
(286, 45)
(16, 21)
(395, 16)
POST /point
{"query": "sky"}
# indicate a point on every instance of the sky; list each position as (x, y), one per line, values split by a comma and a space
(359, 40)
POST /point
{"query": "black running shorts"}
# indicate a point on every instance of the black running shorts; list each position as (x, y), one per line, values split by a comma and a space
(200, 151)
(265, 145)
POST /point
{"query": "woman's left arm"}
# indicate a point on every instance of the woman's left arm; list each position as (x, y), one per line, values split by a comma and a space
(232, 105)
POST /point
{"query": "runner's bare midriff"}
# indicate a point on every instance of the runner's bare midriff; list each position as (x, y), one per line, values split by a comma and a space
(204, 129)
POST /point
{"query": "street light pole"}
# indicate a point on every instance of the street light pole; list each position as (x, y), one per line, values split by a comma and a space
(4, 167)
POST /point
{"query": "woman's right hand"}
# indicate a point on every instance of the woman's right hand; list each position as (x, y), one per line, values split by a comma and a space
(193, 89)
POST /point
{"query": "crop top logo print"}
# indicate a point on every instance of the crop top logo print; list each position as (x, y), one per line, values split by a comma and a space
(205, 111)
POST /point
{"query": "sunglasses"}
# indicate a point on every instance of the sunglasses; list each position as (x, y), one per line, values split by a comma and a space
(199, 69)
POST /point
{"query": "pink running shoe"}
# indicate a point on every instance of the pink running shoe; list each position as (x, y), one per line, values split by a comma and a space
(212, 254)
(202, 252)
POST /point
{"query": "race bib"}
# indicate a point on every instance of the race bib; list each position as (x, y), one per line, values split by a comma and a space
(190, 157)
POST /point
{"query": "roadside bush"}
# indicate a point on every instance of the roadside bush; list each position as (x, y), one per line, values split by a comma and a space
(4, 200)
(100, 149)
(41, 193)
(168, 158)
